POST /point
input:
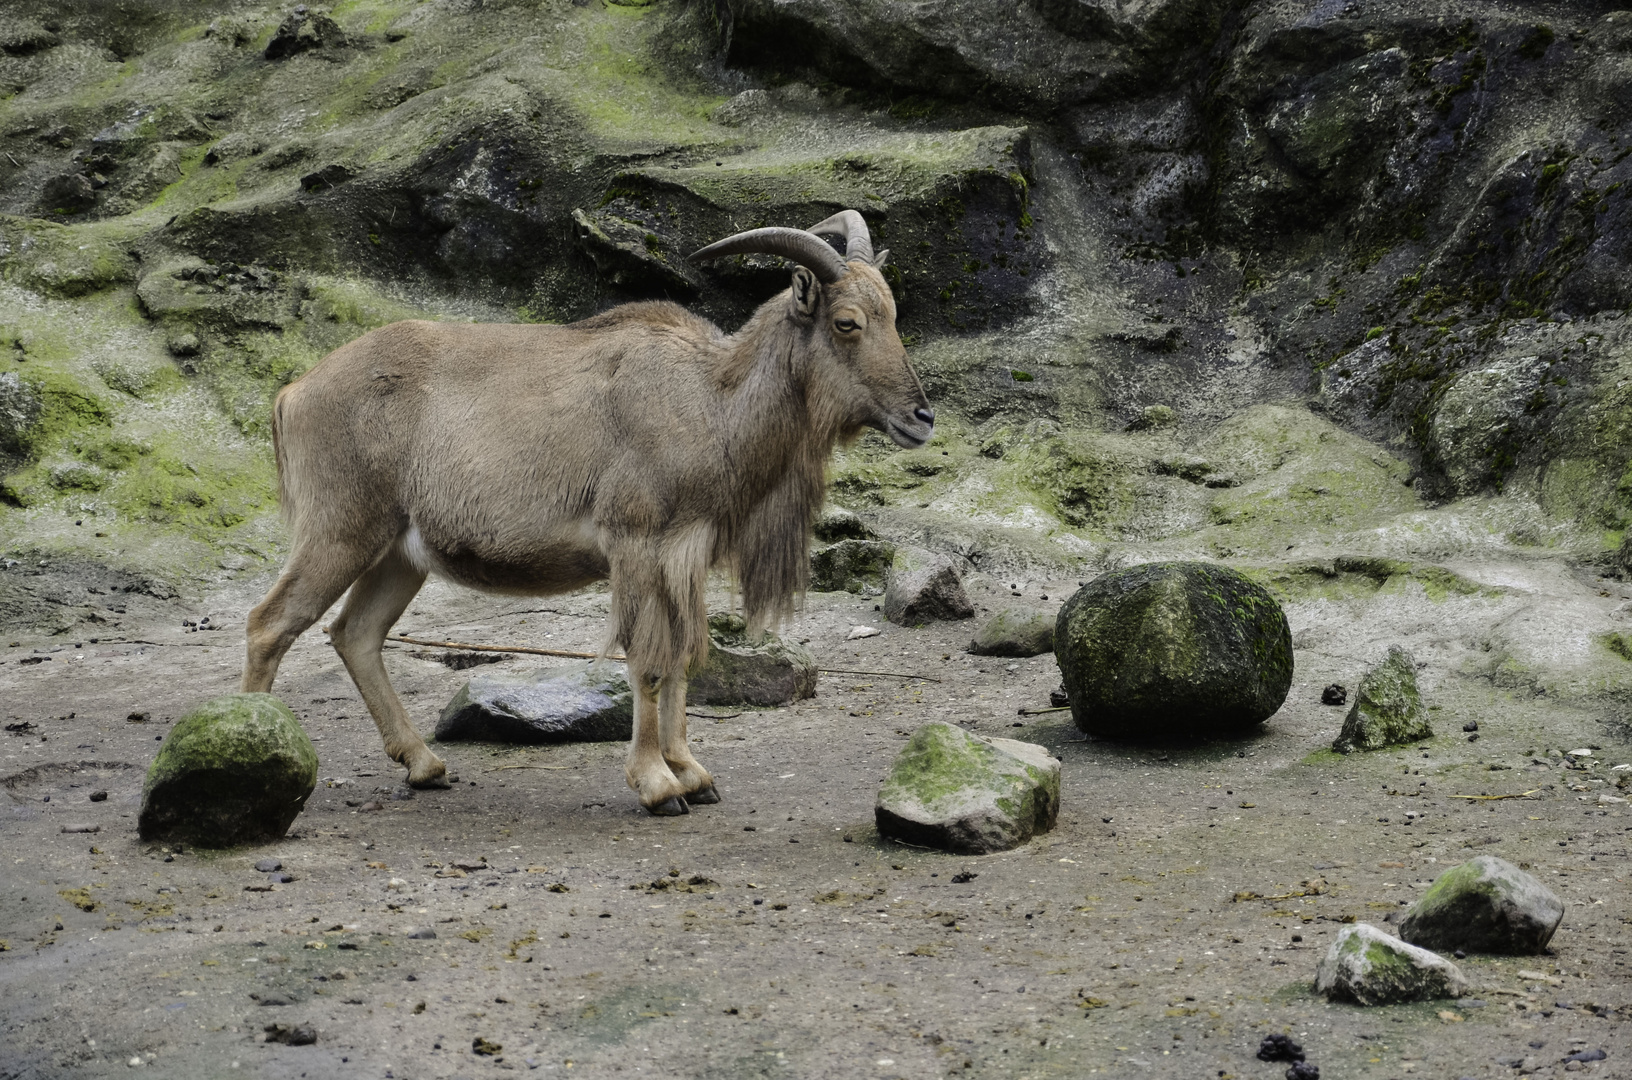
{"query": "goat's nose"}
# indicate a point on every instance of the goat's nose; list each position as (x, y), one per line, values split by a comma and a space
(927, 415)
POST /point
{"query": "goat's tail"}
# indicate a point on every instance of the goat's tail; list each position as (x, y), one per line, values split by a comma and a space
(287, 507)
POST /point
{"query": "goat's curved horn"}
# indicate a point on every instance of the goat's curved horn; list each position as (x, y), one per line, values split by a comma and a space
(806, 249)
(858, 242)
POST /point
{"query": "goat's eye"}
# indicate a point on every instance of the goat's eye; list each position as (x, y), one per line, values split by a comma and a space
(844, 326)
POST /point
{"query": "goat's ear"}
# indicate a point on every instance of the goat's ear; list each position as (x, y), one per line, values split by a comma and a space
(807, 291)
(878, 260)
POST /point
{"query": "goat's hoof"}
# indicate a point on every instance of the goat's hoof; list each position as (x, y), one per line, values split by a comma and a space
(670, 807)
(705, 796)
(434, 775)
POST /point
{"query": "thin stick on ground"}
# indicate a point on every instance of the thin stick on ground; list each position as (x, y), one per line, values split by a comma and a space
(1038, 712)
(1493, 798)
(886, 674)
(529, 649)
(501, 768)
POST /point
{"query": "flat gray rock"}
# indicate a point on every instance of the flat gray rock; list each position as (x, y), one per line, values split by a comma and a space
(746, 670)
(1368, 967)
(235, 770)
(922, 586)
(1015, 631)
(961, 792)
(1484, 905)
(1387, 708)
(587, 703)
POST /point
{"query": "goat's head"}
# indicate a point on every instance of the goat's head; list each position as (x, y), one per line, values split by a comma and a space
(851, 314)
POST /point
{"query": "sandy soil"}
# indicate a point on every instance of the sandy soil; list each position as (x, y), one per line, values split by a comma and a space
(807, 946)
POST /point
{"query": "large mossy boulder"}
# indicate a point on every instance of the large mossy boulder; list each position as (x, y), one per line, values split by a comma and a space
(235, 770)
(1368, 967)
(588, 703)
(957, 791)
(1173, 650)
(745, 669)
(1484, 905)
(1387, 708)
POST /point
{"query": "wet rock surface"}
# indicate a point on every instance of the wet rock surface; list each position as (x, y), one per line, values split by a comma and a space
(235, 770)
(1388, 708)
(582, 703)
(965, 793)
(1369, 967)
(1485, 905)
(1173, 650)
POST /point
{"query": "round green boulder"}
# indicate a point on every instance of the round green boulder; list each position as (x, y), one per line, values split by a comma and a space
(1173, 650)
(235, 770)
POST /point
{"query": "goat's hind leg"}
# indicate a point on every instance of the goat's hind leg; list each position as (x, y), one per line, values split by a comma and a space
(698, 784)
(313, 579)
(377, 600)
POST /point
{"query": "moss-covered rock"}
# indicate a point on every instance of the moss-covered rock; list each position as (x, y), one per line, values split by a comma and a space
(235, 770)
(957, 791)
(856, 566)
(1485, 905)
(1387, 708)
(1368, 967)
(1173, 650)
(1015, 631)
(743, 669)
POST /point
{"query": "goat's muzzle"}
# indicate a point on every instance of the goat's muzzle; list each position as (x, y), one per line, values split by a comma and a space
(912, 435)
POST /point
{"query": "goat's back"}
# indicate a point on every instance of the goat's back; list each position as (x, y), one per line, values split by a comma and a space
(490, 438)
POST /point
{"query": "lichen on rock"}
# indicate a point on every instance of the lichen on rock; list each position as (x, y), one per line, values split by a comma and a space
(1369, 967)
(1485, 905)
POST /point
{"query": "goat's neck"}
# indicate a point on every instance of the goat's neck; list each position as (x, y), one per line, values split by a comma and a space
(776, 419)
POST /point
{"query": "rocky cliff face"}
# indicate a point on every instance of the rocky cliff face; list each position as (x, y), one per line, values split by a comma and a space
(1185, 277)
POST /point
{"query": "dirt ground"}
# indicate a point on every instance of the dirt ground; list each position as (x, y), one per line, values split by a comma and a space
(776, 934)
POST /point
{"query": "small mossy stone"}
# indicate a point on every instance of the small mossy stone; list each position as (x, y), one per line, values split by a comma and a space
(958, 791)
(1387, 708)
(1015, 631)
(1484, 905)
(856, 566)
(1368, 967)
(235, 770)
(748, 669)
(1173, 650)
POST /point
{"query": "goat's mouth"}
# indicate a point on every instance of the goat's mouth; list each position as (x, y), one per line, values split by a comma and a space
(910, 435)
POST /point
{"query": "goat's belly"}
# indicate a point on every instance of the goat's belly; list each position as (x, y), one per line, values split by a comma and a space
(552, 567)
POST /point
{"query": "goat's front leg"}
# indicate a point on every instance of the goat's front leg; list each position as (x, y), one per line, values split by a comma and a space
(694, 779)
(660, 791)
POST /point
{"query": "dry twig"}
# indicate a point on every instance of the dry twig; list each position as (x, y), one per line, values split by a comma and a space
(1493, 798)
